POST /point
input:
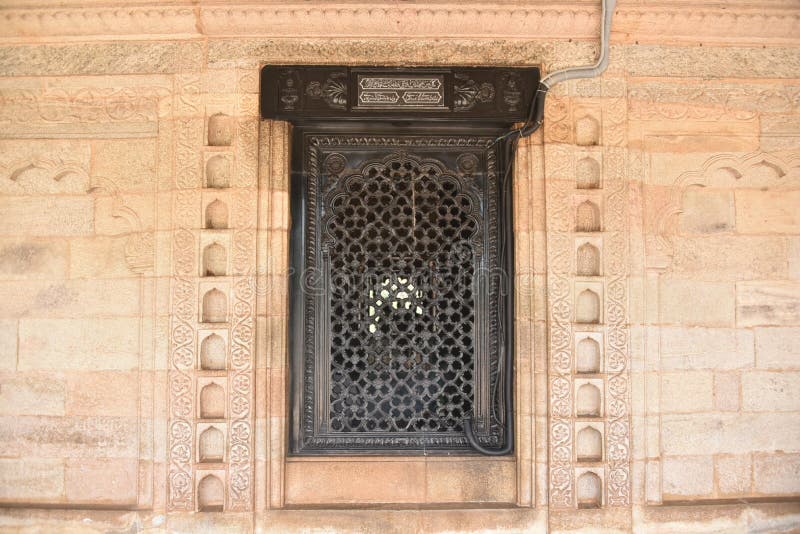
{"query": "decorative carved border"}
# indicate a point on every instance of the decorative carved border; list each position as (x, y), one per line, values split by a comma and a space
(577, 20)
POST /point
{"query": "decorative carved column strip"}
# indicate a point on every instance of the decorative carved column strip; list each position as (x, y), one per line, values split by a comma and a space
(184, 297)
(558, 176)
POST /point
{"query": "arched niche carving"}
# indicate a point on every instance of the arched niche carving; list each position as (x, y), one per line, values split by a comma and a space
(218, 172)
(587, 309)
(212, 401)
(588, 260)
(587, 173)
(213, 353)
(587, 131)
(588, 356)
(216, 215)
(590, 490)
(220, 130)
(210, 494)
(215, 306)
(215, 260)
(589, 445)
(587, 217)
(588, 401)
(212, 445)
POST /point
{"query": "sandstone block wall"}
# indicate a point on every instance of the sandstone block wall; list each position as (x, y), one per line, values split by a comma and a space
(144, 226)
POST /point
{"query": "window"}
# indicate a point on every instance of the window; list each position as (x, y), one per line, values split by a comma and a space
(401, 263)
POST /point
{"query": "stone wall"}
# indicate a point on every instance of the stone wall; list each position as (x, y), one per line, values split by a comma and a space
(144, 258)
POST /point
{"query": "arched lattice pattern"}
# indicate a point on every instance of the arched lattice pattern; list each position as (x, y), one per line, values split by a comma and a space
(588, 260)
(587, 217)
(402, 349)
(217, 215)
(215, 260)
(587, 171)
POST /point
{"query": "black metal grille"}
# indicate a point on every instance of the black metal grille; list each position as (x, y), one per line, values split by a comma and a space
(400, 235)
(397, 292)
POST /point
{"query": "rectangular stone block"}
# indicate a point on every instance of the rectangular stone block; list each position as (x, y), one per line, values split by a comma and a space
(46, 216)
(31, 480)
(31, 393)
(778, 348)
(101, 482)
(731, 257)
(91, 344)
(733, 474)
(767, 304)
(767, 212)
(478, 481)
(341, 482)
(69, 437)
(687, 476)
(8, 343)
(112, 393)
(22, 258)
(706, 212)
(687, 392)
(705, 348)
(698, 434)
(770, 391)
(70, 298)
(695, 302)
(129, 163)
(776, 474)
(794, 258)
(98, 257)
(727, 394)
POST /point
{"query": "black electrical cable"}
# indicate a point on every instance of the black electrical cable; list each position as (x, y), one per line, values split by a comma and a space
(505, 370)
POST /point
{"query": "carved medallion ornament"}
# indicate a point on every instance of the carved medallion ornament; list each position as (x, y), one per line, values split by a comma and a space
(295, 92)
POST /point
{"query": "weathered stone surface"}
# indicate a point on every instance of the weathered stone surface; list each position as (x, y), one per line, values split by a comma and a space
(71, 298)
(686, 392)
(101, 481)
(693, 302)
(128, 164)
(698, 434)
(770, 391)
(731, 257)
(89, 344)
(30, 480)
(103, 393)
(767, 212)
(727, 391)
(99, 58)
(8, 344)
(705, 348)
(767, 304)
(711, 62)
(688, 476)
(22, 258)
(69, 437)
(44, 166)
(33, 393)
(46, 216)
(776, 474)
(778, 348)
(734, 474)
(707, 212)
(470, 481)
